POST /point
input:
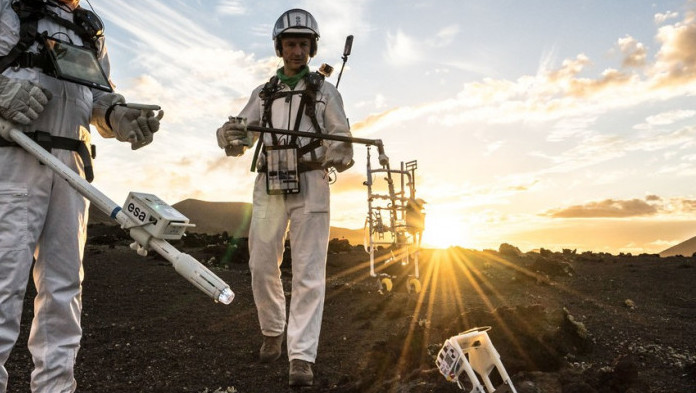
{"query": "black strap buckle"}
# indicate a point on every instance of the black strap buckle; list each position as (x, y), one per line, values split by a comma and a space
(31, 60)
(43, 139)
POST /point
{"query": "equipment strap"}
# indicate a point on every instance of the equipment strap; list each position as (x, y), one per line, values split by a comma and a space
(266, 94)
(270, 93)
(79, 30)
(48, 142)
(298, 120)
(30, 60)
(28, 32)
(29, 16)
(301, 167)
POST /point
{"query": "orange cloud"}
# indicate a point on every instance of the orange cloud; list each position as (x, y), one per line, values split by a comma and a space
(586, 87)
(606, 208)
(634, 52)
(688, 205)
(371, 120)
(676, 60)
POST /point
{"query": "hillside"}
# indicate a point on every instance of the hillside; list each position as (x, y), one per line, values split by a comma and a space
(686, 248)
(219, 217)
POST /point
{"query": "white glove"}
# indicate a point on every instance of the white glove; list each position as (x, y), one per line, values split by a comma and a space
(134, 125)
(233, 136)
(339, 155)
(21, 101)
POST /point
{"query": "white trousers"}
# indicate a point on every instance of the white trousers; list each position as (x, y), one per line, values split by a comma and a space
(305, 218)
(42, 217)
(46, 219)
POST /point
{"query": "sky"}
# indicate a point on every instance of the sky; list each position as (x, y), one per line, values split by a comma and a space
(541, 124)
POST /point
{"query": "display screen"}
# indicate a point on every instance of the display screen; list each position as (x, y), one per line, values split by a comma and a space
(282, 175)
(77, 64)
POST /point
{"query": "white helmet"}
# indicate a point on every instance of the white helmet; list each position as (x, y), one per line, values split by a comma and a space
(296, 21)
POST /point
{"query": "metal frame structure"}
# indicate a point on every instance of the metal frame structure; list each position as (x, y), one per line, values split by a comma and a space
(396, 233)
(390, 202)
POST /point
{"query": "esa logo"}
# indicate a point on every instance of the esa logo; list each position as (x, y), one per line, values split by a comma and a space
(136, 212)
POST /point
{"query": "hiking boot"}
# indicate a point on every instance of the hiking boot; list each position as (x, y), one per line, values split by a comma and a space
(270, 349)
(301, 373)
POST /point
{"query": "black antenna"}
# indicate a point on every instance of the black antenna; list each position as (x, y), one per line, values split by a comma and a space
(346, 52)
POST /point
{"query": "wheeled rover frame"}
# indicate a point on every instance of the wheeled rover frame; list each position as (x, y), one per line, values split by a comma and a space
(391, 196)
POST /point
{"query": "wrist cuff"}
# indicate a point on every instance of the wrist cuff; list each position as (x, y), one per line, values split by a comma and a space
(107, 114)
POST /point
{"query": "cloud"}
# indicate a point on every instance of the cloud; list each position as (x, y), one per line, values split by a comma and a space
(591, 150)
(571, 127)
(173, 67)
(378, 102)
(634, 52)
(373, 123)
(606, 208)
(338, 19)
(444, 37)
(688, 205)
(401, 49)
(682, 170)
(670, 117)
(651, 205)
(558, 94)
(587, 87)
(681, 138)
(569, 69)
(230, 7)
(661, 18)
(676, 59)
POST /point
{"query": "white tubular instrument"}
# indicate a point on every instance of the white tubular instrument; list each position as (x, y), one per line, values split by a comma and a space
(142, 233)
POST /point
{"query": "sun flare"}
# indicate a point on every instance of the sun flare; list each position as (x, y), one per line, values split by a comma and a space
(443, 231)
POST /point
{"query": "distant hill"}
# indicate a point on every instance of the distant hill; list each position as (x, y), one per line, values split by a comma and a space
(218, 217)
(686, 248)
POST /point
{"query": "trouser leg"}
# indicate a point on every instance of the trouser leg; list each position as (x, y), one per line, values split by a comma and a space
(22, 214)
(309, 236)
(55, 332)
(266, 246)
(15, 266)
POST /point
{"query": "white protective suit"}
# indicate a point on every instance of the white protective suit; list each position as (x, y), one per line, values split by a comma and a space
(41, 216)
(305, 214)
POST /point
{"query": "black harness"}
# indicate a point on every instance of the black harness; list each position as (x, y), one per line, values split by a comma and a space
(48, 142)
(86, 26)
(271, 92)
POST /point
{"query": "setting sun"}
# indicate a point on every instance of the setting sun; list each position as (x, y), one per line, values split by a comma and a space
(443, 231)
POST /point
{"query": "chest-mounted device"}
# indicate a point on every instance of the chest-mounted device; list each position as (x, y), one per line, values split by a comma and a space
(74, 63)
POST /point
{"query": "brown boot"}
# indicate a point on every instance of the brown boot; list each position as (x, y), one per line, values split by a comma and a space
(301, 373)
(270, 349)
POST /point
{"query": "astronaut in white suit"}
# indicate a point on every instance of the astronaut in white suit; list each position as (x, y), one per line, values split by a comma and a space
(41, 216)
(301, 212)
